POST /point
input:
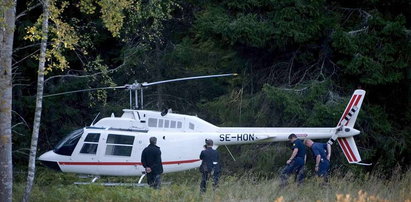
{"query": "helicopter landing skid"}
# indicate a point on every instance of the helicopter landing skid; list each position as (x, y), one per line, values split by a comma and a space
(141, 178)
(95, 179)
(113, 184)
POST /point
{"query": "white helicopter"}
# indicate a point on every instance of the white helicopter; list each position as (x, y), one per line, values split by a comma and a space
(113, 145)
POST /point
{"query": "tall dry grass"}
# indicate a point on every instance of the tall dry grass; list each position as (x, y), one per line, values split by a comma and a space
(185, 187)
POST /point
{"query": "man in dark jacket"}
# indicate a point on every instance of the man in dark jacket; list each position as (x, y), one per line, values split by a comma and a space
(322, 155)
(151, 160)
(209, 165)
(296, 162)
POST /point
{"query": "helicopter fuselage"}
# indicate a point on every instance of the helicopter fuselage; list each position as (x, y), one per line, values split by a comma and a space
(113, 146)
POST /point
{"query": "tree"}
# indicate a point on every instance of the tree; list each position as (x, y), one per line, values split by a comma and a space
(39, 100)
(7, 22)
(64, 36)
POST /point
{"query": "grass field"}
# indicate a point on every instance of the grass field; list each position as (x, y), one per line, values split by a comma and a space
(52, 186)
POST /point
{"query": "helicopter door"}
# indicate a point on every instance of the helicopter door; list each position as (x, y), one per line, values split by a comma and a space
(85, 156)
(118, 155)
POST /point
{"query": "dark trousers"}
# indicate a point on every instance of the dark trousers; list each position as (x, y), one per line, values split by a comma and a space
(204, 177)
(154, 180)
(296, 166)
(323, 169)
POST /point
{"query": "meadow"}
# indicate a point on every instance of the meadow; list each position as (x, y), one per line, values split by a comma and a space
(343, 187)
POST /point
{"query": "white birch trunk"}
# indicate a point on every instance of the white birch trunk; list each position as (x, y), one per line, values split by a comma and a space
(39, 102)
(8, 16)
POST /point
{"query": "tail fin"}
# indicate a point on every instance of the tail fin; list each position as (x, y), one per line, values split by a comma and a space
(353, 108)
(348, 119)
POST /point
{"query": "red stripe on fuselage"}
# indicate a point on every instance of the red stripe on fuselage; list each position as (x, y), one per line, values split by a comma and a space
(348, 109)
(100, 163)
(349, 149)
(179, 162)
(344, 149)
(123, 163)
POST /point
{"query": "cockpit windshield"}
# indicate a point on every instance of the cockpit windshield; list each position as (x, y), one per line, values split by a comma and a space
(66, 146)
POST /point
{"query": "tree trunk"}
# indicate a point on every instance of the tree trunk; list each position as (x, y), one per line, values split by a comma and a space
(158, 72)
(408, 80)
(8, 16)
(39, 102)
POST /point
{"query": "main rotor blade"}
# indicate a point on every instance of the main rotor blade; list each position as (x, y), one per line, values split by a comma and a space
(188, 78)
(84, 90)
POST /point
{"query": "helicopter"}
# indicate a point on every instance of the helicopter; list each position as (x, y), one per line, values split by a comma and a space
(113, 145)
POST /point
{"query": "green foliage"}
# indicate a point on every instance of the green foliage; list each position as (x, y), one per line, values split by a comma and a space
(261, 160)
(99, 97)
(390, 145)
(264, 23)
(246, 29)
(311, 106)
(149, 17)
(378, 55)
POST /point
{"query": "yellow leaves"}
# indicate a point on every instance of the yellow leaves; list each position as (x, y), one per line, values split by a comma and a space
(112, 14)
(33, 34)
(279, 199)
(343, 198)
(87, 7)
(62, 36)
(362, 197)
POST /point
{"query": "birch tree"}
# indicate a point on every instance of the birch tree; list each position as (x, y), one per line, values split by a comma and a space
(39, 101)
(7, 23)
(64, 37)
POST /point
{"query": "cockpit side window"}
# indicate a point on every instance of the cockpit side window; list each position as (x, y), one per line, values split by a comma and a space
(89, 148)
(92, 137)
(67, 145)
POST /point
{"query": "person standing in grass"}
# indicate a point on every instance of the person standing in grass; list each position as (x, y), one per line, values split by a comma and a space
(322, 155)
(210, 165)
(295, 164)
(151, 160)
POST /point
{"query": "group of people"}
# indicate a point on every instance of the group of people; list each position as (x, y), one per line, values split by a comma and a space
(295, 164)
(210, 165)
(151, 160)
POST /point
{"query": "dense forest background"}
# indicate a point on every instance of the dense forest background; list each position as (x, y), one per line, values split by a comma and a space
(298, 63)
